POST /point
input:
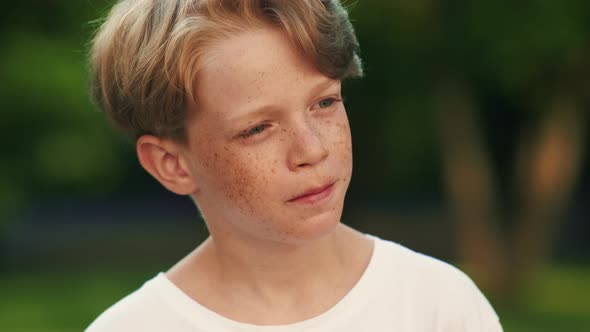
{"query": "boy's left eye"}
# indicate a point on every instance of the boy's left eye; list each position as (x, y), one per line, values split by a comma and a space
(324, 103)
(254, 130)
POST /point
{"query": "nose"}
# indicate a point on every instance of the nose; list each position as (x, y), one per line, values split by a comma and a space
(307, 147)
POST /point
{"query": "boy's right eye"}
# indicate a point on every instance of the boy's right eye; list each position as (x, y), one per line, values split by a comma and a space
(254, 130)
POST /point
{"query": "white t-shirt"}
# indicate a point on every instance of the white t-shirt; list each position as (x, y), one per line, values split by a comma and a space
(400, 290)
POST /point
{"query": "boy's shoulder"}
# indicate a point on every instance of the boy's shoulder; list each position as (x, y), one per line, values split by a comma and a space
(142, 310)
(431, 284)
(407, 263)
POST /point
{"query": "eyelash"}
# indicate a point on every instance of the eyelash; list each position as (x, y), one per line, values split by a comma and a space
(332, 100)
(259, 128)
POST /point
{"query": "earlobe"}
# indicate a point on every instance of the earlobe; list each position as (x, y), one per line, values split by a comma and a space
(162, 159)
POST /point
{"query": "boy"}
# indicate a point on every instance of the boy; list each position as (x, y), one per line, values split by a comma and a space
(237, 104)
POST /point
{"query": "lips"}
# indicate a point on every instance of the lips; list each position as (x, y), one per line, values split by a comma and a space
(314, 195)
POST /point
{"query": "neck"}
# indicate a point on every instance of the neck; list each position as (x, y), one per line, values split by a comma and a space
(271, 266)
(271, 270)
(289, 281)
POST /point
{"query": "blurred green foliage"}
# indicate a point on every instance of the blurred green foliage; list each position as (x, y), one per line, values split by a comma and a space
(513, 57)
(57, 141)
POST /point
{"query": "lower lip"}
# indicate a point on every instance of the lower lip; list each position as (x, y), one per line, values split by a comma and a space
(315, 198)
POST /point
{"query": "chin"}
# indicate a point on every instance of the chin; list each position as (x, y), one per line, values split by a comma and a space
(314, 228)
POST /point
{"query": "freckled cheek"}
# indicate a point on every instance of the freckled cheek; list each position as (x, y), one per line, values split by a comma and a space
(340, 140)
(240, 179)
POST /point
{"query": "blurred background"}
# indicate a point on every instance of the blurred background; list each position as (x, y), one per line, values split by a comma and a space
(471, 143)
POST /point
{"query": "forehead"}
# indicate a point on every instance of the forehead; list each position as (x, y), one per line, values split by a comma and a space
(254, 67)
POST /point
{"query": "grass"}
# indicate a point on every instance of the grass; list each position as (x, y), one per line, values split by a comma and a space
(557, 300)
(48, 302)
(64, 302)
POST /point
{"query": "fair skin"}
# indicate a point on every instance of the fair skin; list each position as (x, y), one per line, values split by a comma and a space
(268, 161)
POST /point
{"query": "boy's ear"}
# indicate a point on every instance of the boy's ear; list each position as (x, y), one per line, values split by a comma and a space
(163, 160)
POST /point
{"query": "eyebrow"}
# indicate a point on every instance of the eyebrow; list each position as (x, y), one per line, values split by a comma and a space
(272, 108)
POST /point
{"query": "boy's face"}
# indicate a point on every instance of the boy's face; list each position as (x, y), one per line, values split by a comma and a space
(268, 129)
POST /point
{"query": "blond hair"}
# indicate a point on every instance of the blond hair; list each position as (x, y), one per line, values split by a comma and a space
(146, 56)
